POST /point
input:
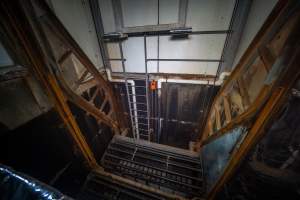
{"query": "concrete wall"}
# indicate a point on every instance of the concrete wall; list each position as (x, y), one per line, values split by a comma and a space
(22, 99)
(18, 105)
(76, 17)
(259, 12)
(202, 15)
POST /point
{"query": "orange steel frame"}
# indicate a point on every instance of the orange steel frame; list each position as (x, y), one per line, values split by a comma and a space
(267, 50)
(17, 27)
(284, 45)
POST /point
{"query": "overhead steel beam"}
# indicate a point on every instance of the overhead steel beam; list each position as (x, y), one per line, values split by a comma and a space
(167, 30)
(183, 60)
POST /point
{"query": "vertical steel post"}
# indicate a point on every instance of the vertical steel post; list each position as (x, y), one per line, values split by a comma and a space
(147, 87)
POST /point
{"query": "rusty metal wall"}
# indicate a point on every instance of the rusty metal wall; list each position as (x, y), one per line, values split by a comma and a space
(182, 111)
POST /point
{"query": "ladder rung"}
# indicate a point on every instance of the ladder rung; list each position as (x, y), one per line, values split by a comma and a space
(136, 118)
(138, 103)
(144, 131)
(145, 111)
(137, 95)
(141, 129)
(143, 124)
(142, 117)
(137, 86)
(144, 136)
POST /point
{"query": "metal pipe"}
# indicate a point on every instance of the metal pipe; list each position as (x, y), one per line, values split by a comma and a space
(156, 97)
(133, 94)
(169, 33)
(210, 32)
(133, 86)
(147, 87)
(134, 128)
(184, 60)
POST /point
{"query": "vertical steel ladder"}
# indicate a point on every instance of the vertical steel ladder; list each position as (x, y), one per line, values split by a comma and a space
(138, 101)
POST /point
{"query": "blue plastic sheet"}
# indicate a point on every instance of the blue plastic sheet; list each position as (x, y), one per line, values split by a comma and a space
(18, 186)
(216, 155)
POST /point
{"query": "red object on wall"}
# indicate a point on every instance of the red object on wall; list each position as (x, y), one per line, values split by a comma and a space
(153, 85)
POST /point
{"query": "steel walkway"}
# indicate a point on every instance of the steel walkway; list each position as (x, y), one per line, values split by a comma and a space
(166, 168)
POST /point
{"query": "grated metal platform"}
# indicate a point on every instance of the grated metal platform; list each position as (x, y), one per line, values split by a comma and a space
(101, 186)
(166, 168)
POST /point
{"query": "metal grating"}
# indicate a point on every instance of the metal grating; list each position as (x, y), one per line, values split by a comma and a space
(98, 186)
(171, 170)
